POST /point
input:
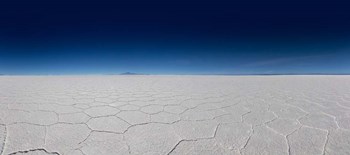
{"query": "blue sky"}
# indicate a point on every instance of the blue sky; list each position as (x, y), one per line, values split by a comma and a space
(174, 37)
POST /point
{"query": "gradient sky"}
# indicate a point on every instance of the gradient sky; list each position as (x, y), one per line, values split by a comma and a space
(174, 36)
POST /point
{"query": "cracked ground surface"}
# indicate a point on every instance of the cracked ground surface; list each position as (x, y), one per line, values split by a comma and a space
(110, 115)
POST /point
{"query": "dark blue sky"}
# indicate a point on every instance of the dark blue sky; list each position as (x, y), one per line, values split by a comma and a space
(174, 36)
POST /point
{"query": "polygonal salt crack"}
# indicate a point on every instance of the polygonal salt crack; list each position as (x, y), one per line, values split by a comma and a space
(39, 151)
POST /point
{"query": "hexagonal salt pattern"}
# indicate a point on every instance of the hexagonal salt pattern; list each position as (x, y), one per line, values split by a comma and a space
(185, 115)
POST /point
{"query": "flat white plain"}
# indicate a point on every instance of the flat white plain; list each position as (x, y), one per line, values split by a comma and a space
(110, 115)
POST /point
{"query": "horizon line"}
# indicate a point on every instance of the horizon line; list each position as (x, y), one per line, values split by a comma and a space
(137, 74)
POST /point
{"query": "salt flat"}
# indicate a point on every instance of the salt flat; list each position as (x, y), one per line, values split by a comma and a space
(109, 115)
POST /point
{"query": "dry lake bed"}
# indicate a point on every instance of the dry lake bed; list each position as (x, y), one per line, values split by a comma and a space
(159, 115)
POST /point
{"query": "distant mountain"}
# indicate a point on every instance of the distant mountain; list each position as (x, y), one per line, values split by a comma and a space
(131, 73)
